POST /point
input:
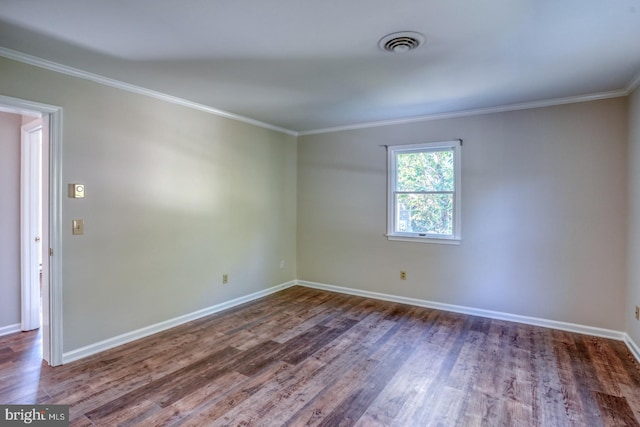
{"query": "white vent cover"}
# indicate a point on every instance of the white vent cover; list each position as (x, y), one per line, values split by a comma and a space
(403, 41)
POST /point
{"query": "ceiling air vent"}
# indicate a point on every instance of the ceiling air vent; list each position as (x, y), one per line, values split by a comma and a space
(403, 41)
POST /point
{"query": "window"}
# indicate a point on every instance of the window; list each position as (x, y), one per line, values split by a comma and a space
(424, 192)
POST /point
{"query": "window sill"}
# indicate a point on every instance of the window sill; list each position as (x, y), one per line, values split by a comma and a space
(442, 241)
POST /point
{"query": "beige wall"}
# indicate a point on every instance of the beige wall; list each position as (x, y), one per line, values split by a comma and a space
(633, 291)
(9, 219)
(177, 197)
(543, 214)
(174, 198)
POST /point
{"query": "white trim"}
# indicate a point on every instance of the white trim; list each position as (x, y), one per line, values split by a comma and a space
(633, 347)
(442, 241)
(535, 321)
(56, 191)
(25, 107)
(392, 213)
(55, 218)
(473, 112)
(162, 326)
(633, 84)
(20, 111)
(60, 68)
(109, 343)
(9, 329)
(96, 78)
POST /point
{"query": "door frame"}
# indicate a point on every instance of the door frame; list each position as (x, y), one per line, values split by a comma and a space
(52, 289)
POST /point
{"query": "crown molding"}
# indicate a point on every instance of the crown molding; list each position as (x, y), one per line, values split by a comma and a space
(473, 112)
(63, 69)
(634, 84)
(96, 78)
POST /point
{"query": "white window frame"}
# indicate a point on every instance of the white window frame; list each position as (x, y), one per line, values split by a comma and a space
(392, 151)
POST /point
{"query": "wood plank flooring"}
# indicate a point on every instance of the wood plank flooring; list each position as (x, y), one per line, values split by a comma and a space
(304, 357)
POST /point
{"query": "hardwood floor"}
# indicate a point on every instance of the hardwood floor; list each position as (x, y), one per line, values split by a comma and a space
(304, 357)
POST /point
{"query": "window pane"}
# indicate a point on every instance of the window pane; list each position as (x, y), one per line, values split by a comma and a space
(425, 171)
(424, 213)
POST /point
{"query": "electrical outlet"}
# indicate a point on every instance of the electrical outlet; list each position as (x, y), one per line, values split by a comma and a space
(403, 275)
(637, 312)
(282, 264)
(225, 278)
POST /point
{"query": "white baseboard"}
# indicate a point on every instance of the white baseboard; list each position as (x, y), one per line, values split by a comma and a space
(92, 349)
(553, 324)
(633, 347)
(9, 329)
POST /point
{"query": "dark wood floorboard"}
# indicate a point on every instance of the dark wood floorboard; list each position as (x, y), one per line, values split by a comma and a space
(304, 357)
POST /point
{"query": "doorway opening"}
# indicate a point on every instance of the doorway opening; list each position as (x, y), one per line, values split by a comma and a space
(39, 214)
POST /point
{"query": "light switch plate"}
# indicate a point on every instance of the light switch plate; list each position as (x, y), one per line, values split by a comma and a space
(78, 227)
(76, 191)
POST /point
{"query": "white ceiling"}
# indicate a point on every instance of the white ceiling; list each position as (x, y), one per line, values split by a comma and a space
(305, 65)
